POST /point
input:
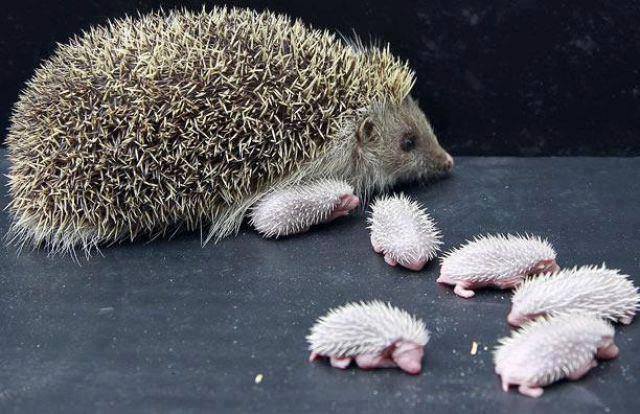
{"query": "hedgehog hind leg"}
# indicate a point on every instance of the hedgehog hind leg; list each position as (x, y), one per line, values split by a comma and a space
(463, 292)
(533, 392)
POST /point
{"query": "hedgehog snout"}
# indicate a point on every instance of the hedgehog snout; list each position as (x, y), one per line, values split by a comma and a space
(448, 163)
(443, 161)
(609, 351)
(408, 357)
(545, 266)
(516, 319)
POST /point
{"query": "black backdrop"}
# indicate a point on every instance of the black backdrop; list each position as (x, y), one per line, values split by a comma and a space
(520, 77)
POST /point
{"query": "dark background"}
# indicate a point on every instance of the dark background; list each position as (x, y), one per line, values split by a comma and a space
(498, 77)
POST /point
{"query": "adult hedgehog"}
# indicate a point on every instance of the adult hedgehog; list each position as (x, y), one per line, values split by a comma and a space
(192, 119)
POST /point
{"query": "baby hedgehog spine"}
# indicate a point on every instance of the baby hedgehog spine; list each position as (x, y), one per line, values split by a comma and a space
(602, 292)
(295, 209)
(549, 349)
(403, 231)
(496, 260)
(375, 334)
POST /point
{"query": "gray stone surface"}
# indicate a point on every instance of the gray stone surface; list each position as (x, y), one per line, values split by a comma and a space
(172, 326)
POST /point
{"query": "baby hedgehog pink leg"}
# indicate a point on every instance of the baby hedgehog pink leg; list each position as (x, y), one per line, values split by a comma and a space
(403, 232)
(341, 363)
(460, 290)
(375, 334)
(296, 208)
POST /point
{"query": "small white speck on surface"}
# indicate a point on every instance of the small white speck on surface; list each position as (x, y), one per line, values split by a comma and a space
(106, 310)
(259, 378)
(474, 348)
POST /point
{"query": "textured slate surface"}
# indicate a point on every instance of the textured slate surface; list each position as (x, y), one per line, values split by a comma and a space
(171, 326)
(502, 77)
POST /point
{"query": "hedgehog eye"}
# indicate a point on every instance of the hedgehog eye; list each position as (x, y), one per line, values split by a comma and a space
(407, 143)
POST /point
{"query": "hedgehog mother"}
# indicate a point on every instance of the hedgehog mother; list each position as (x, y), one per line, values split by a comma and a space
(188, 119)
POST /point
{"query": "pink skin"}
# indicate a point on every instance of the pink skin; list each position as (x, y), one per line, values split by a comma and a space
(607, 351)
(403, 354)
(626, 320)
(348, 203)
(515, 319)
(416, 266)
(465, 289)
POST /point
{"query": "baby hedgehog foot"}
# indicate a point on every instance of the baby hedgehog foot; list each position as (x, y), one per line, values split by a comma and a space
(296, 208)
(374, 334)
(498, 261)
(403, 232)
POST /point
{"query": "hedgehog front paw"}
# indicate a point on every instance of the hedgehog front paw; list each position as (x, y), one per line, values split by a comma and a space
(534, 392)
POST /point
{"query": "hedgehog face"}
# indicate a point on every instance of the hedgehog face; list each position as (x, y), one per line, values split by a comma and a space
(543, 267)
(402, 140)
(408, 356)
(518, 317)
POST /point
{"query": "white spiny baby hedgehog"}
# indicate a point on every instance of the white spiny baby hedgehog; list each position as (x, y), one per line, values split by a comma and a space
(186, 119)
(589, 289)
(403, 232)
(549, 349)
(375, 334)
(499, 261)
(293, 210)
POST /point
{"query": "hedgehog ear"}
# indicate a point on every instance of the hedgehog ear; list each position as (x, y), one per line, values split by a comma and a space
(365, 130)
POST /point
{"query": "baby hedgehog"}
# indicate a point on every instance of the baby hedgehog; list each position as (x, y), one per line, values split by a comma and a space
(546, 350)
(603, 292)
(375, 334)
(187, 119)
(500, 261)
(293, 210)
(403, 232)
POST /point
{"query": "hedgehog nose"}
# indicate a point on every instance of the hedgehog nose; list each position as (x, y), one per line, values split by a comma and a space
(513, 319)
(448, 163)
